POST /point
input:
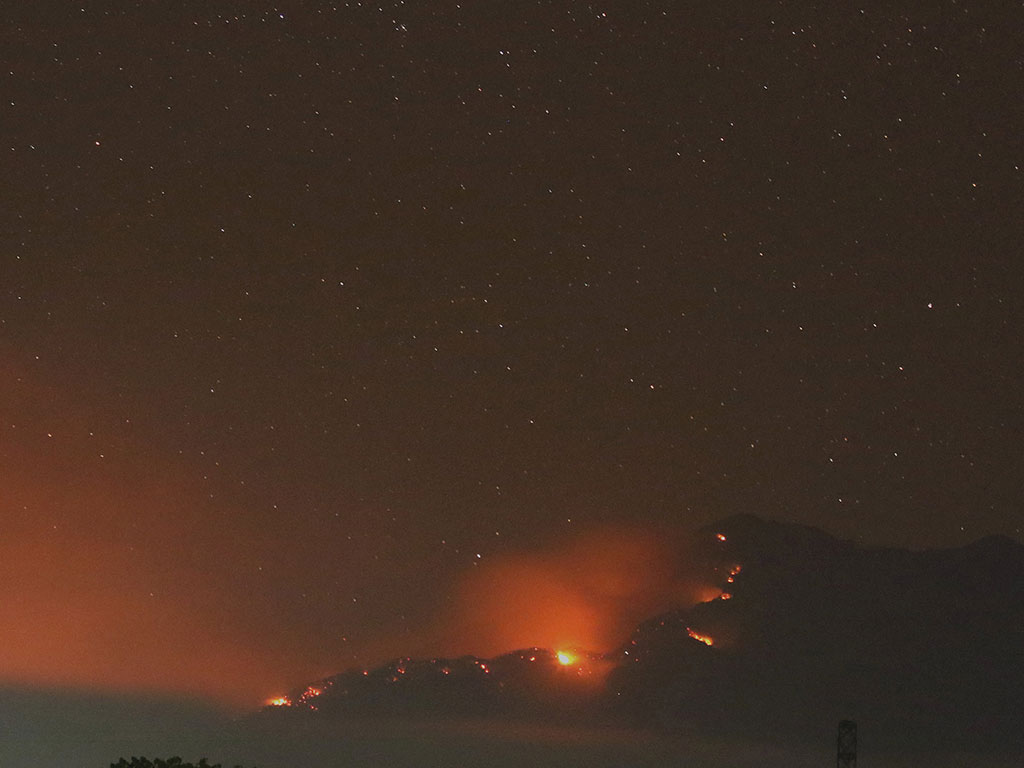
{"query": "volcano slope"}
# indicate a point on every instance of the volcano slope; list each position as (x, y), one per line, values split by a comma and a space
(925, 650)
(921, 648)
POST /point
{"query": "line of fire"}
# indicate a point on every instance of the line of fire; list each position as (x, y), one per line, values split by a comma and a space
(534, 672)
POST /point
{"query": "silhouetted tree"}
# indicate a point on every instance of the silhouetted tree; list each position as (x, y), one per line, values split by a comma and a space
(171, 762)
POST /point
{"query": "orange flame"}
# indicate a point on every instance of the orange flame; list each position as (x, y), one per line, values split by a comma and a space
(280, 701)
(310, 693)
(706, 639)
(565, 658)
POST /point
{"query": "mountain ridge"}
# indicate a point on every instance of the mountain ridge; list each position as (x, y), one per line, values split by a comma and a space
(927, 644)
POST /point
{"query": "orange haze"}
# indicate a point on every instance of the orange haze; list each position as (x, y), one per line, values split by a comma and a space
(588, 593)
(124, 567)
(116, 573)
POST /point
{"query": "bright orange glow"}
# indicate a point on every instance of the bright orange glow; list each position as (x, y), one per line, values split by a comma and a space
(310, 693)
(709, 593)
(587, 592)
(280, 701)
(565, 658)
(720, 536)
(99, 561)
(726, 596)
(706, 639)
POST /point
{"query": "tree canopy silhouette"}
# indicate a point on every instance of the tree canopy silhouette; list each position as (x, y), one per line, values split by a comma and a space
(171, 762)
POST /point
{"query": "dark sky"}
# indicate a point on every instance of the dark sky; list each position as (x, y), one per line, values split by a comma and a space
(320, 323)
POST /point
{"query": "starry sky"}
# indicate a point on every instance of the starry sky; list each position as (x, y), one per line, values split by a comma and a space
(321, 323)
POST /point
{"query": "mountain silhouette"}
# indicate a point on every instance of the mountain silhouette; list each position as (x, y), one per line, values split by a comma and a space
(927, 647)
(923, 648)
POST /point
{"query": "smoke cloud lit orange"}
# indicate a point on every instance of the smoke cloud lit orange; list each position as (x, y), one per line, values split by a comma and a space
(587, 593)
(121, 569)
(115, 574)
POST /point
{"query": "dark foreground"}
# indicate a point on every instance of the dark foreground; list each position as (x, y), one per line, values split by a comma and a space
(61, 730)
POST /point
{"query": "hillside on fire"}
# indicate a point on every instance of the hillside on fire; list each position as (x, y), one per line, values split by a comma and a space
(803, 629)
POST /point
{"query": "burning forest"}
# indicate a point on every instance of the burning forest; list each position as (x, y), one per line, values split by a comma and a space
(720, 662)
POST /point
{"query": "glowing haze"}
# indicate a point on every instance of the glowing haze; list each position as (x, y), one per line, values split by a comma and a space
(118, 573)
(115, 575)
(588, 592)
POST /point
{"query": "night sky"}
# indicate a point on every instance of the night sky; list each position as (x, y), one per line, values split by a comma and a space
(323, 325)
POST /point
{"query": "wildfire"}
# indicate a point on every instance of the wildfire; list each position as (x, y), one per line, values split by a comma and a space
(707, 640)
(310, 693)
(305, 699)
(565, 658)
(733, 573)
(725, 596)
(720, 536)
